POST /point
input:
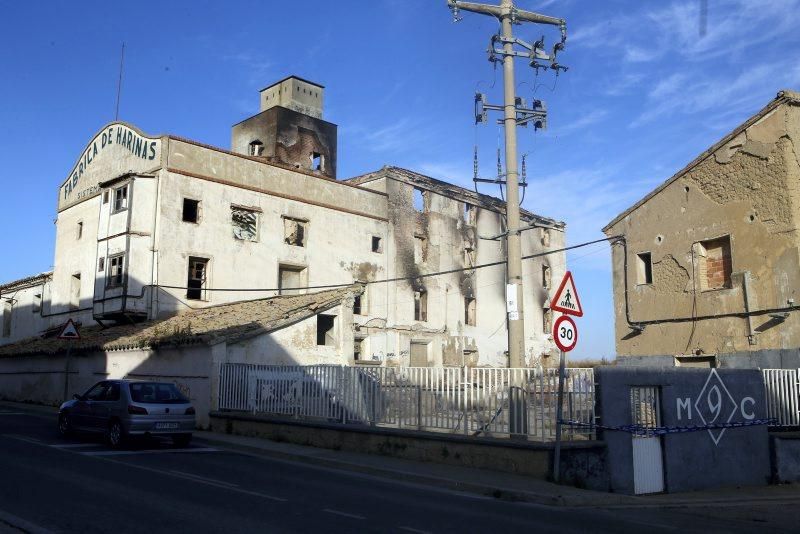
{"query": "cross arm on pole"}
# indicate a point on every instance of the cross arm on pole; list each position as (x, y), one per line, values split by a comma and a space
(498, 11)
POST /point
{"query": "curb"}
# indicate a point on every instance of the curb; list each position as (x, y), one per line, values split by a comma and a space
(395, 474)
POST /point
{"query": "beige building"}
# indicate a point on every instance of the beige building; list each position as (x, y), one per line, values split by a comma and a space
(153, 226)
(707, 267)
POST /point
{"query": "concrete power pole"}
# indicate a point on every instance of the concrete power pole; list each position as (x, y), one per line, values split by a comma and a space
(514, 113)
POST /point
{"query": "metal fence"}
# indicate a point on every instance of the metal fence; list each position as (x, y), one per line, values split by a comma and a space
(480, 401)
(783, 396)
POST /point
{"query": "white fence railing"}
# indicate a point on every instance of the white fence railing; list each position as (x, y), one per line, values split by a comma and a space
(783, 396)
(456, 400)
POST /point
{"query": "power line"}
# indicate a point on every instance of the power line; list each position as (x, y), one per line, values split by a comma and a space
(399, 278)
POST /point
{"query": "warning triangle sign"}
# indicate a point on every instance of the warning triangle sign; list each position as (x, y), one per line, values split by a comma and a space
(566, 299)
(70, 331)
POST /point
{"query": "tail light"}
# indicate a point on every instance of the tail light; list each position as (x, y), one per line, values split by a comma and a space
(137, 410)
(190, 410)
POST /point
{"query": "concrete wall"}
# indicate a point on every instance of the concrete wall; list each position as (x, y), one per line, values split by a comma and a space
(41, 379)
(582, 462)
(757, 359)
(692, 460)
(748, 190)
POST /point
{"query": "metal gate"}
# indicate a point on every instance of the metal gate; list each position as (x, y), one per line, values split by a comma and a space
(648, 461)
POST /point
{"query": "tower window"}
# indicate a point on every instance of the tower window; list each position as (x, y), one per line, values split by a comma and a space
(420, 249)
(418, 200)
(256, 148)
(317, 161)
(377, 244)
(295, 231)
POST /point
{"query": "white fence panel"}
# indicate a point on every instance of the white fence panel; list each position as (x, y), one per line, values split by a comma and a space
(783, 396)
(469, 401)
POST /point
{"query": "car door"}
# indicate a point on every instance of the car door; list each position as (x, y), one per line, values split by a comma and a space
(103, 407)
(94, 400)
(81, 411)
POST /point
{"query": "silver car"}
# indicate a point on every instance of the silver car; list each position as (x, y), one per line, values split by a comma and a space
(123, 408)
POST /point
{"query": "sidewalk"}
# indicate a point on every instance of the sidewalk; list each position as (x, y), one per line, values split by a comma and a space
(478, 481)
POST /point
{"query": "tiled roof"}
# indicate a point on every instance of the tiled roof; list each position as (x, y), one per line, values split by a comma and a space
(25, 281)
(208, 326)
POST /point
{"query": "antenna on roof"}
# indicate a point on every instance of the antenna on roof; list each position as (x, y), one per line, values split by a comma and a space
(119, 83)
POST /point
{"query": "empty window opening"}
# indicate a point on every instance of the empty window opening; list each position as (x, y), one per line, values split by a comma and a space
(291, 279)
(7, 304)
(326, 330)
(75, 291)
(36, 304)
(121, 198)
(547, 320)
(420, 249)
(317, 161)
(644, 268)
(191, 210)
(470, 256)
(357, 305)
(295, 231)
(470, 309)
(545, 237)
(377, 244)
(715, 263)
(420, 306)
(115, 270)
(80, 229)
(359, 349)
(256, 148)
(196, 280)
(419, 200)
(470, 214)
(101, 265)
(546, 276)
(105, 197)
(245, 224)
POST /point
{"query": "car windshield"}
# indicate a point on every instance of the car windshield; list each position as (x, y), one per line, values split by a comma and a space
(156, 393)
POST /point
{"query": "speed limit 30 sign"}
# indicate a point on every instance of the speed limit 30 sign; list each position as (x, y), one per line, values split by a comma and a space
(565, 333)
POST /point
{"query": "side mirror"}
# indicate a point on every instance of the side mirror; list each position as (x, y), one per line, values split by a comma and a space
(77, 397)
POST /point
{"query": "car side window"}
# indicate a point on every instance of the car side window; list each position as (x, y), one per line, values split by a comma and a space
(112, 393)
(98, 392)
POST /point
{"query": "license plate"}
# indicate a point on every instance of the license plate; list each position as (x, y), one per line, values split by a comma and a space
(166, 426)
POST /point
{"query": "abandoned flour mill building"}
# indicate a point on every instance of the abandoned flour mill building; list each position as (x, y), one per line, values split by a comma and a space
(156, 227)
(708, 271)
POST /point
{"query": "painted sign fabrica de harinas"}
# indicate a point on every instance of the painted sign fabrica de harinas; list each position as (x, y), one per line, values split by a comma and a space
(566, 301)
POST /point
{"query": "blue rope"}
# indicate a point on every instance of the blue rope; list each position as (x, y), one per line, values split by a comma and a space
(641, 430)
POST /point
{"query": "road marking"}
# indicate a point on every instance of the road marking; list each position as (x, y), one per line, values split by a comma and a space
(24, 438)
(73, 445)
(204, 479)
(18, 523)
(12, 413)
(343, 514)
(409, 529)
(147, 451)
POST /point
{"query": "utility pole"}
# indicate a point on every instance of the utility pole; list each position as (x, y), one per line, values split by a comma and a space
(514, 113)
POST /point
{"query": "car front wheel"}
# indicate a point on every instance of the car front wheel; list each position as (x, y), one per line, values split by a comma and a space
(64, 425)
(115, 435)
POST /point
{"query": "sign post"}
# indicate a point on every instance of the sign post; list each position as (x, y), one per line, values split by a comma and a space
(565, 335)
(69, 332)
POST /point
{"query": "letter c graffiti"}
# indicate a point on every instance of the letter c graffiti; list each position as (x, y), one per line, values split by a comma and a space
(748, 415)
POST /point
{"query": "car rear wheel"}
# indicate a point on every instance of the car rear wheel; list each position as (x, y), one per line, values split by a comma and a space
(181, 440)
(64, 425)
(115, 435)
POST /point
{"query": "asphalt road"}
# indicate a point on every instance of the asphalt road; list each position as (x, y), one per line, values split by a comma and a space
(49, 484)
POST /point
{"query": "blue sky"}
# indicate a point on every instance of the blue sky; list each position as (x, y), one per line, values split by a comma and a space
(645, 93)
